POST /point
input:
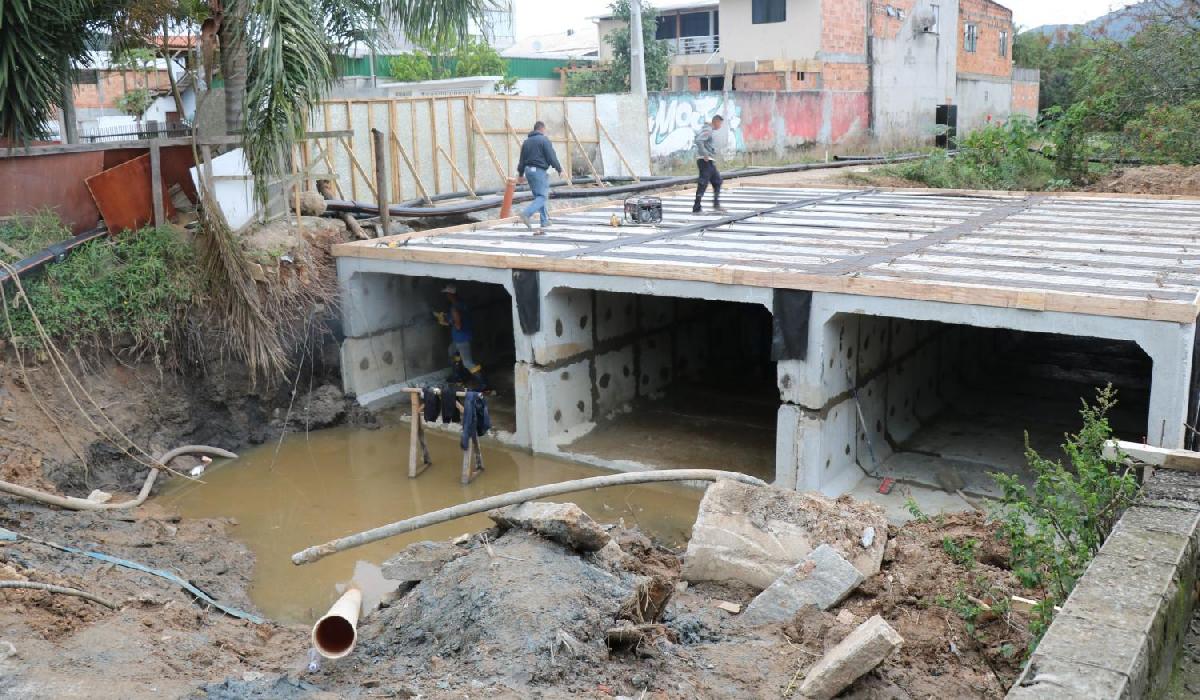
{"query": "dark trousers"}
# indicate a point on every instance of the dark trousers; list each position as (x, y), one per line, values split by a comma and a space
(708, 174)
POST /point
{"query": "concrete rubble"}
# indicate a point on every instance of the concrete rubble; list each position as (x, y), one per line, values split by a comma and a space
(822, 579)
(565, 523)
(421, 560)
(754, 535)
(860, 652)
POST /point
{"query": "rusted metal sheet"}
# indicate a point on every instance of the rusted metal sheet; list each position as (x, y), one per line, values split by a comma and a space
(123, 195)
(52, 183)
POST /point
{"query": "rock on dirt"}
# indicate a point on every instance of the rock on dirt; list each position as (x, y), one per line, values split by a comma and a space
(420, 560)
(822, 579)
(754, 534)
(565, 523)
(322, 407)
(312, 203)
(866, 647)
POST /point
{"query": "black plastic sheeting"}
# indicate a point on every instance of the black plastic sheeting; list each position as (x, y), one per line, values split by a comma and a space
(789, 318)
(412, 209)
(529, 300)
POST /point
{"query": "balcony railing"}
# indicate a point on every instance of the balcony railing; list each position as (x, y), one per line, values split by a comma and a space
(691, 45)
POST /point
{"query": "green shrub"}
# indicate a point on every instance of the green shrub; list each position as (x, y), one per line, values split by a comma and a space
(998, 156)
(1056, 528)
(126, 293)
(1167, 134)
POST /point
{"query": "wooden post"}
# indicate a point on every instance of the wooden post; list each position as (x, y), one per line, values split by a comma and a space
(381, 180)
(412, 169)
(156, 188)
(571, 134)
(508, 159)
(569, 165)
(414, 434)
(491, 152)
(470, 140)
(433, 135)
(394, 158)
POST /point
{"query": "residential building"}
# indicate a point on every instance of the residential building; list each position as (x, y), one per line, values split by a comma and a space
(867, 67)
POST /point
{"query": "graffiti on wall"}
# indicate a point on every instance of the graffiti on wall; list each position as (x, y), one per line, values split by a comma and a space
(676, 117)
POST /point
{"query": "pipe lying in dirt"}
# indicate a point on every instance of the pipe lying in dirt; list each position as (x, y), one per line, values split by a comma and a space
(336, 633)
(321, 551)
(413, 210)
(61, 590)
(74, 503)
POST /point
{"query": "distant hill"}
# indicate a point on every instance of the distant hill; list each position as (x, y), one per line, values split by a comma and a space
(1118, 25)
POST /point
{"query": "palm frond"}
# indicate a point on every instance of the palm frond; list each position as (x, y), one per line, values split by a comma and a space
(434, 21)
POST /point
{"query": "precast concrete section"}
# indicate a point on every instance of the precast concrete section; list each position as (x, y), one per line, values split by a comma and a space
(888, 307)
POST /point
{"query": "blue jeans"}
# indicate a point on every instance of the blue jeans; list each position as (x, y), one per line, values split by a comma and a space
(539, 184)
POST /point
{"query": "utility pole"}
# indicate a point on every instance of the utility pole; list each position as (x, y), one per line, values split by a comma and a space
(637, 52)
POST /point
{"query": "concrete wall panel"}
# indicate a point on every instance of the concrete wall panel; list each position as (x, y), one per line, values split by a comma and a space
(616, 380)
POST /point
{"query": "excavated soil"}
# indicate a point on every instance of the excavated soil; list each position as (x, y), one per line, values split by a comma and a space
(1153, 179)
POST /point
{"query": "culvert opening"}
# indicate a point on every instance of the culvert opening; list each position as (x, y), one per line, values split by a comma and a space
(411, 346)
(945, 405)
(671, 382)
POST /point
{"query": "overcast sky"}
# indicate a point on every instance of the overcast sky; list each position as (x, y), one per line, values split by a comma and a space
(550, 16)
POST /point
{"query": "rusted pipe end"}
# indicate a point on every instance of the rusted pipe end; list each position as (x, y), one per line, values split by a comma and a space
(510, 188)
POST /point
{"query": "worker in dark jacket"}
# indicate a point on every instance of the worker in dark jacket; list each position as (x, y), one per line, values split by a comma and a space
(537, 157)
(706, 151)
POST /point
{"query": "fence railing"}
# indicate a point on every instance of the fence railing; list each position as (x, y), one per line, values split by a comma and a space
(690, 45)
(127, 132)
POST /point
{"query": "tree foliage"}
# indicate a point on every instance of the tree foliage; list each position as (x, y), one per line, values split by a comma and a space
(458, 59)
(614, 77)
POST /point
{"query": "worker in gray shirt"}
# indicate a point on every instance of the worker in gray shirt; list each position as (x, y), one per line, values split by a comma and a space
(705, 152)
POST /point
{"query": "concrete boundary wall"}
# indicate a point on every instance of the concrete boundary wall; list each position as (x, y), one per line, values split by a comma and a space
(1121, 628)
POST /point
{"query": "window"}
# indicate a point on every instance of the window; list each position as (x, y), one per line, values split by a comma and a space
(1004, 44)
(714, 83)
(87, 77)
(970, 37)
(694, 24)
(666, 27)
(767, 11)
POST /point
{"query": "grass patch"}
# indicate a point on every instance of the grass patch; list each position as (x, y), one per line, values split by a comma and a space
(127, 293)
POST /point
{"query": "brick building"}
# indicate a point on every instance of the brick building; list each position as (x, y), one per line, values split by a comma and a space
(884, 67)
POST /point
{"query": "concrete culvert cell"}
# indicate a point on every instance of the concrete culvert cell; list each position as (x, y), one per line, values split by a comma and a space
(397, 334)
(950, 404)
(681, 382)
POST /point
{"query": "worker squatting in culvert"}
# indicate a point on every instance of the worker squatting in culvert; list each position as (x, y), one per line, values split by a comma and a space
(458, 319)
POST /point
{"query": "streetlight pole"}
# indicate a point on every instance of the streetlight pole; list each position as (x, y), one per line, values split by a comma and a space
(637, 51)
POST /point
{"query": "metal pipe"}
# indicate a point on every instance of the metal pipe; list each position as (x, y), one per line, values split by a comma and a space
(336, 633)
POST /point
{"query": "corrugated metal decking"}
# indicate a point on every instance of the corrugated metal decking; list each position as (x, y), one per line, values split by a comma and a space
(1123, 256)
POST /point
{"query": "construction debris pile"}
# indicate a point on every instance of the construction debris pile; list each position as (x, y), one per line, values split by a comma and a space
(778, 594)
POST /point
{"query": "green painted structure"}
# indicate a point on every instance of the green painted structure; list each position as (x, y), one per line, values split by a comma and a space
(520, 68)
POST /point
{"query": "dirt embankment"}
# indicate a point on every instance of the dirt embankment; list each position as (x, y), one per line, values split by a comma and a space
(1153, 179)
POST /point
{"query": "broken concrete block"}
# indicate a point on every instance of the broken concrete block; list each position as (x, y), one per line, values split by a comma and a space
(754, 534)
(420, 560)
(823, 579)
(565, 523)
(731, 608)
(860, 652)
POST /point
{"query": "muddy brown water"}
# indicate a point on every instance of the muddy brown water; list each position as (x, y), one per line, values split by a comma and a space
(335, 482)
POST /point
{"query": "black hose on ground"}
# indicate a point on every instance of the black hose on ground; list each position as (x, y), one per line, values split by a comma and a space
(410, 210)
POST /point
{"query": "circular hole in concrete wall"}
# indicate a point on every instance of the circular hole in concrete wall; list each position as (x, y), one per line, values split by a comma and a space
(604, 380)
(867, 343)
(879, 426)
(580, 406)
(583, 321)
(831, 362)
(870, 393)
(849, 353)
(847, 449)
(364, 364)
(557, 416)
(828, 462)
(558, 329)
(892, 411)
(366, 290)
(565, 376)
(625, 370)
(387, 357)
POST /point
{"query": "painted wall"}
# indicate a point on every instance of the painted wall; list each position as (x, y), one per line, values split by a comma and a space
(754, 121)
(913, 71)
(982, 101)
(1026, 91)
(799, 37)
